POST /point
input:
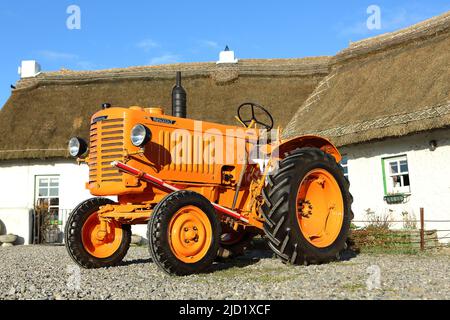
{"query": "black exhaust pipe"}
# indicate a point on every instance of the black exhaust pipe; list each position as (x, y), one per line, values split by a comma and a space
(179, 108)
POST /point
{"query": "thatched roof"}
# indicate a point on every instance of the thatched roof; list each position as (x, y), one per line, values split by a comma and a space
(43, 112)
(391, 85)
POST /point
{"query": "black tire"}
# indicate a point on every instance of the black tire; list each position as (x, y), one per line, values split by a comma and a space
(159, 241)
(73, 239)
(279, 209)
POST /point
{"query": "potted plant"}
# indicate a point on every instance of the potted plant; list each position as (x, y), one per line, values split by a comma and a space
(394, 198)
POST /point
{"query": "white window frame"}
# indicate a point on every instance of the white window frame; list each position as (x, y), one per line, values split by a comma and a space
(344, 166)
(389, 175)
(38, 179)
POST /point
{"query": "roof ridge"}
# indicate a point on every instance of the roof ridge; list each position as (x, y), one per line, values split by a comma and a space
(386, 121)
(188, 66)
(300, 66)
(424, 29)
(31, 149)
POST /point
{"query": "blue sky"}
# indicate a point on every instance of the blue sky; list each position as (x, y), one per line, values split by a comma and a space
(138, 32)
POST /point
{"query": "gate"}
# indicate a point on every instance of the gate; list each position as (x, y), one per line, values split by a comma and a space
(48, 229)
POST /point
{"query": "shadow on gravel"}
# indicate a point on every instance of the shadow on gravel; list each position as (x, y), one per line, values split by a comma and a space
(351, 252)
(250, 257)
(348, 254)
(136, 261)
(257, 251)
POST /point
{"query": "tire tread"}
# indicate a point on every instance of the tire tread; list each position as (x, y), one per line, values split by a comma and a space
(275, 208)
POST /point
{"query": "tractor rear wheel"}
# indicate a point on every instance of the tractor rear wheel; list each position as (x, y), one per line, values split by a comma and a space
(82, 239)
(183, 233)
(307, 208)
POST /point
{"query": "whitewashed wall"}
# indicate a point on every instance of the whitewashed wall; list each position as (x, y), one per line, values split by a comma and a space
(17, 221)
(17, 191)
(429, 173)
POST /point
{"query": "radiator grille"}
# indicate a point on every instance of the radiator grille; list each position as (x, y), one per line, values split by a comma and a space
(106, 146)
(188, 153)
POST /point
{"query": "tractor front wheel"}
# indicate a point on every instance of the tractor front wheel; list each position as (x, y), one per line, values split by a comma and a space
(307, 208)
(88, 247)
(183, 233)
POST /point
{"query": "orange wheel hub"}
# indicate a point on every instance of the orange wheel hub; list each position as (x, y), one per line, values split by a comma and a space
(320, 208)
(98, 243)
(190, 234)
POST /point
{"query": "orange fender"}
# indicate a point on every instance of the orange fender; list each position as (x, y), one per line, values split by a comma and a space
(304, 142)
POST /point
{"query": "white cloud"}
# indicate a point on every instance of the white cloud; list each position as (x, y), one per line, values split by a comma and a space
(401, 19)
(86, 65)
(210, 44)
(71, 59)
(147, 44)
(55, 55)
(391, 20)
(165, 59)
(359, 28)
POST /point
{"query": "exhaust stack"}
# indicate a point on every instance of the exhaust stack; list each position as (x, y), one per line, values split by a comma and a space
(179, 108)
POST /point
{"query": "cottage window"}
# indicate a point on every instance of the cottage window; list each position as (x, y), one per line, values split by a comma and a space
(344, 165)
(47, 194)
(396, 175)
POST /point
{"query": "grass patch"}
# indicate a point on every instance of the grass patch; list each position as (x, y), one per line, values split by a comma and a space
(389, 250)
(263, 275)
(353, 287)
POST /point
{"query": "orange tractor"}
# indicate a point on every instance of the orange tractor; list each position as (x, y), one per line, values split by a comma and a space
(205, 189)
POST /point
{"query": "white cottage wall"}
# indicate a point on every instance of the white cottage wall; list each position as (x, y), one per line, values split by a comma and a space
(429, 173)
(17, 192)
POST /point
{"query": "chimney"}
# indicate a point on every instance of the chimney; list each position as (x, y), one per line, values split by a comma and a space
(29, 69)
(227, 56)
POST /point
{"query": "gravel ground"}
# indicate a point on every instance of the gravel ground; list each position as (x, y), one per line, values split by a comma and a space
(47, 272)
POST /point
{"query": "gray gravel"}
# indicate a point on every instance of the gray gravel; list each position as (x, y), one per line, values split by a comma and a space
(47, 272)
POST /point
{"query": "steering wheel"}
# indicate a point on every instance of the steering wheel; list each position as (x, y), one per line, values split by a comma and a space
(252, 107)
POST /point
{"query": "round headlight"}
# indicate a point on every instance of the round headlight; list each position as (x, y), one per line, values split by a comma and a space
(77, 147)
(140, 135)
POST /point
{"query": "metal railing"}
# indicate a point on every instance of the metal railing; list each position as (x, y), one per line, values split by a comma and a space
(382, 234)
(51, 231)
